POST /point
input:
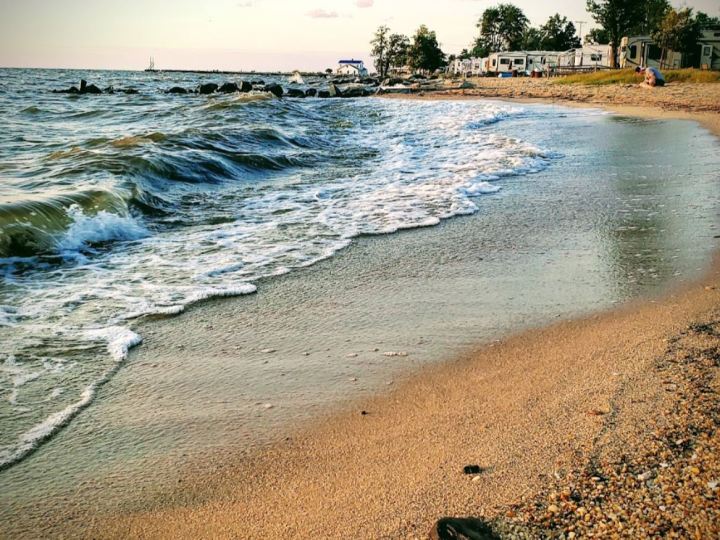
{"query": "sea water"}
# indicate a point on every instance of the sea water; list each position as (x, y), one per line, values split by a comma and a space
(118, 208)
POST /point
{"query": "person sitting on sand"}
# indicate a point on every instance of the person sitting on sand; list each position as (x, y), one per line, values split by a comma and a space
(653, 77)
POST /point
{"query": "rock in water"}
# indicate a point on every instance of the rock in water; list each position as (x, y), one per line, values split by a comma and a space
(207, 88)
(462, 529)
(353, 90)
(91, 89)
(177, 90)
(310, 92)
(295, 93)
(274, 89)
(229, 88)
(245, 86)
(323, 94)
(334, 91)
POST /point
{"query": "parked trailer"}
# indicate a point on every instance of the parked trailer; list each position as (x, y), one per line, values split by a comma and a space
(641, 51)
(709, 44)
(506, 62)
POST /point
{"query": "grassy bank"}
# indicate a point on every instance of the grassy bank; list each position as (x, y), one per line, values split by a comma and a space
(628, 76)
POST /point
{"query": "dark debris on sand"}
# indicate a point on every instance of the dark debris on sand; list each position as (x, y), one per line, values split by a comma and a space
(669, 488)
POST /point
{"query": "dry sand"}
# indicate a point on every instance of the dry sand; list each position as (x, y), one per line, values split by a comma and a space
(533, 412)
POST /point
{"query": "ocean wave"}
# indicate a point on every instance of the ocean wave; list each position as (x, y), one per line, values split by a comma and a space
(205, 210)
(66, 222)
(86, 231)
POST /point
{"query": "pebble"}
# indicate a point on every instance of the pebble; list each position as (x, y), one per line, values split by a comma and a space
(663, 485)
(267, 351)
(644, 477)
(352, 355)
(268, 406)
(391, 353)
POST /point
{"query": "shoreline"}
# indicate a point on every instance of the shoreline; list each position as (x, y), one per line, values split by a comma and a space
(396, 470)
(311, 472)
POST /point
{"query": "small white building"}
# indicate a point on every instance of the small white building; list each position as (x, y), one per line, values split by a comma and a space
(352, 67)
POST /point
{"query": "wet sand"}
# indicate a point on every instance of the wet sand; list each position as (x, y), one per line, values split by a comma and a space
(524, 410)
(529, 411)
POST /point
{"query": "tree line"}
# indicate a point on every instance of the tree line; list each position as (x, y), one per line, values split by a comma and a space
(505, 27)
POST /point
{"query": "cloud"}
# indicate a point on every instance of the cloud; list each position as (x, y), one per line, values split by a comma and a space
(322, 14)
(364, 3)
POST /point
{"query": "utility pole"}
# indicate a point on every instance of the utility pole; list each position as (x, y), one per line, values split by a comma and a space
(579, 25)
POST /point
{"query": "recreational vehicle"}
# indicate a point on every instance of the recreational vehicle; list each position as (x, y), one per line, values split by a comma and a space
(642, 51)
(710, 48)
(597, 56)
(507, 62)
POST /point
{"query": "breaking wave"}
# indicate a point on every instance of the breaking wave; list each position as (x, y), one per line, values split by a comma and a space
(176, 202)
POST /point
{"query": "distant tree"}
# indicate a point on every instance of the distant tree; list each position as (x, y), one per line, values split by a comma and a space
(464, 55)
(328, 71)
(679, 31)
(597, 36)
(617, 18)
(425, 53)
(652, 13)
(532, 39)
(559, 34)
(388, 50)
(706, 21)
(479, 49)
(397, 54)
(501, 28)
(379, 50)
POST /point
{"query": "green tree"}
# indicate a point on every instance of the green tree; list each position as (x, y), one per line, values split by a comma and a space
(479, 48)
(379, 50)
(617, 17)
(502, 28)
(679, 31)
(397, 54)
(706, 21)
(559, 34)
(425, 53)
(388, 50)
(652, 14)
(532, 40)
(464, 55)
(598, 36)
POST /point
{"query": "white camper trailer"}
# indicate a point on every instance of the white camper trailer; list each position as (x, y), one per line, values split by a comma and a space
(507, 62)
(597, 56)
(710, 48)
(641, 51)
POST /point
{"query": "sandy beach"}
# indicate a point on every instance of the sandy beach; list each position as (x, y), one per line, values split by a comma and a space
(605, 425)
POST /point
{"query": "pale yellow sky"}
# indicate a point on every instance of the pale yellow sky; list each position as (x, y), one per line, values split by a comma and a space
(236, 34)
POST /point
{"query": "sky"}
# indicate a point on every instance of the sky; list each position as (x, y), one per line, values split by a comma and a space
(240, 34)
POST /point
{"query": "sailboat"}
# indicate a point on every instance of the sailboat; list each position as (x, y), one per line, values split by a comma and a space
(151, 67)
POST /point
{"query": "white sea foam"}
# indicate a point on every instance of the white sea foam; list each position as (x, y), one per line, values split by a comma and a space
(119, 341)
(422, 163)
(86, 230)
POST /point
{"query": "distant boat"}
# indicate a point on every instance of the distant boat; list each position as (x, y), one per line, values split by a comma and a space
(151, 67)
